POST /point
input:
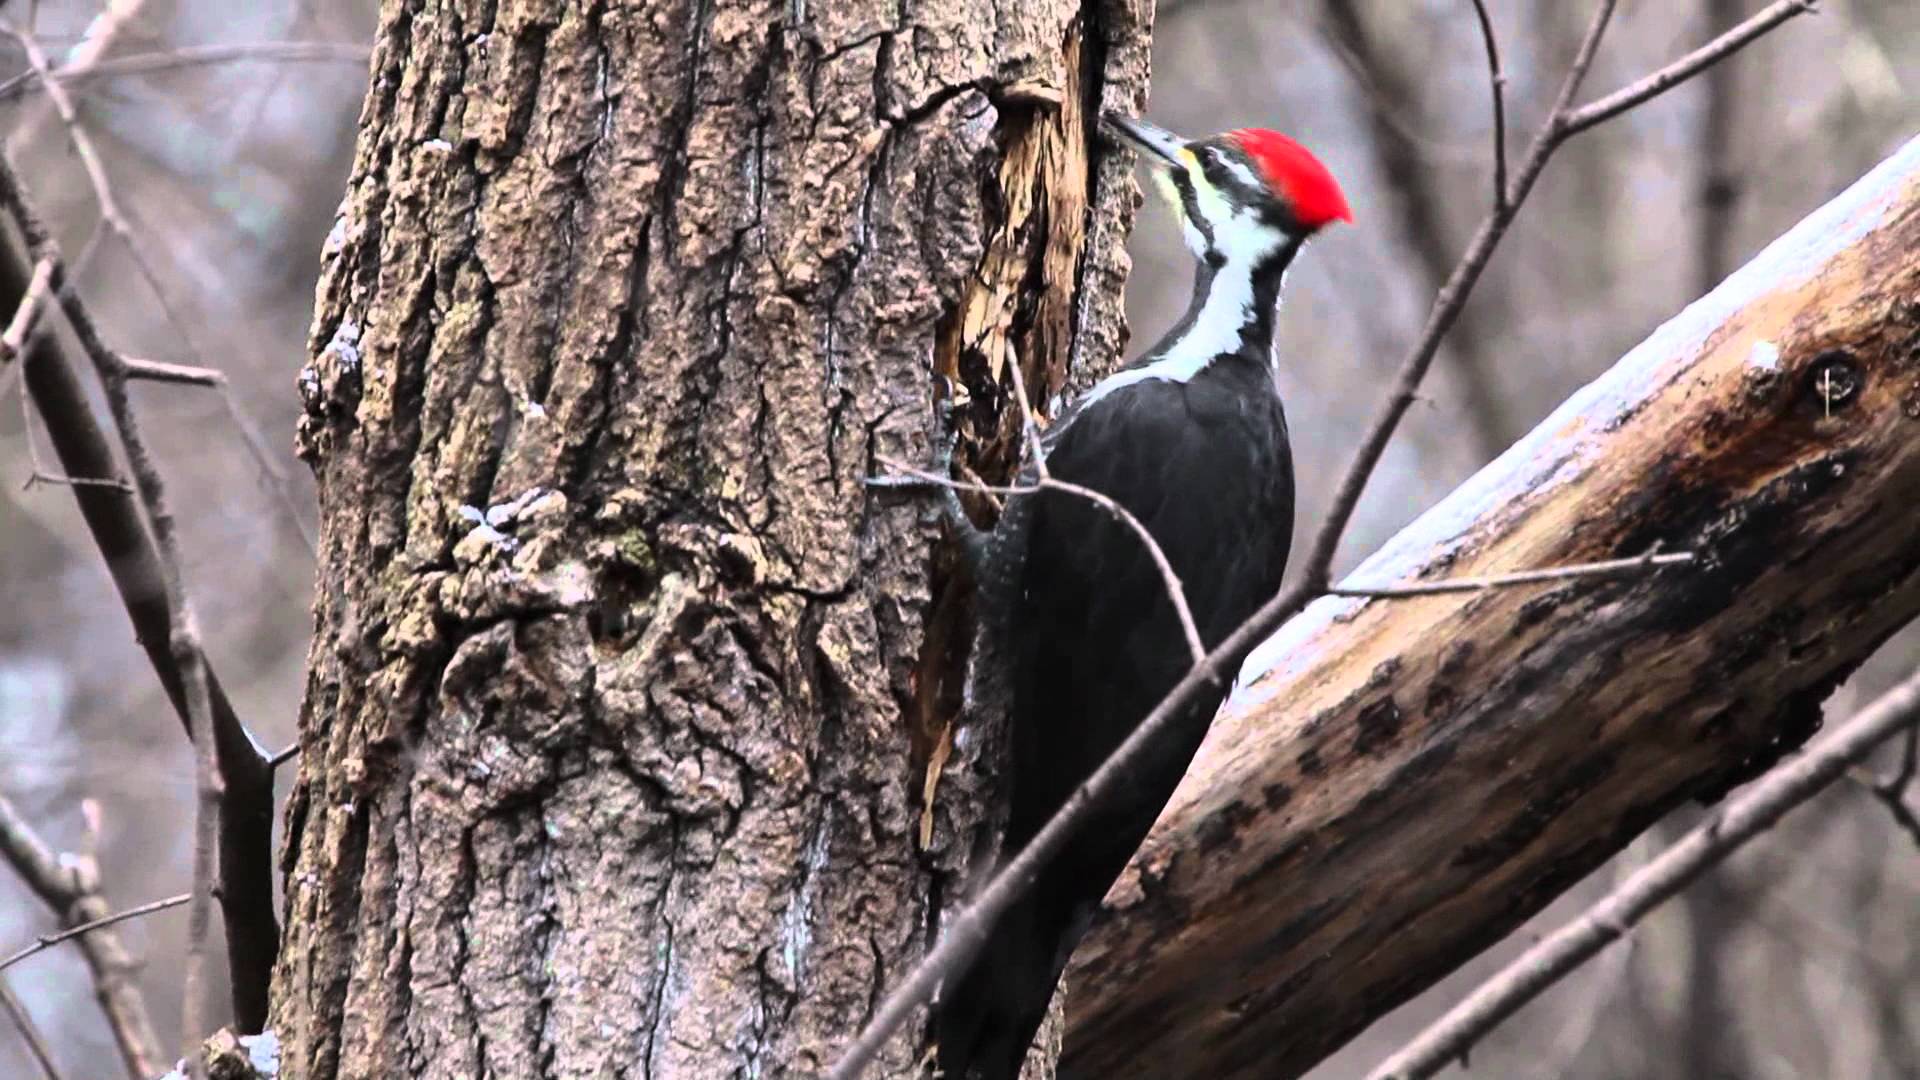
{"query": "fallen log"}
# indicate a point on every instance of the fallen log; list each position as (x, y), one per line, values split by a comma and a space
(1399, 782)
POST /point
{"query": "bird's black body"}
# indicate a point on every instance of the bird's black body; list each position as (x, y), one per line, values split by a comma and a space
(1092, 642)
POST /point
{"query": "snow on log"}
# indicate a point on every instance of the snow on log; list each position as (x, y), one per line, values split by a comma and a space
(1398, 783)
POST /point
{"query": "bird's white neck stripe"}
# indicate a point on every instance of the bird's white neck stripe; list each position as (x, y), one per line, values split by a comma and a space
(1216, 329)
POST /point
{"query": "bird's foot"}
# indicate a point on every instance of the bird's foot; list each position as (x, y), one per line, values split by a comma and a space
(937, 470)
(936, 476)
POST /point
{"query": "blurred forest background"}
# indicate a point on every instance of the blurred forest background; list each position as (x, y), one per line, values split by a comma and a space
(1800, 958)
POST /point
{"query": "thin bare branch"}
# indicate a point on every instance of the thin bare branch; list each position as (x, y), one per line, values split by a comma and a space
(48, 941)
(1176, 592)
(189, 56)
(1446, 308)
(1499, 80)
(40, 476)
(1036, 450)
(1745, 816)
(160, 371)
(901, 474)
(1583, 59)
(37, 471)
(1891, 792)
(70, 887)
(101, 36)
(29, 1031)
(1652, 86)
(1897, 808)
(1411, 187)
(1909, 763)
(1639, 564)
(115, 218)
(83, 148)
(183, 633)
(27, 315)
(142, 554)
(965, 933)
(208, 786)
(1718, 189)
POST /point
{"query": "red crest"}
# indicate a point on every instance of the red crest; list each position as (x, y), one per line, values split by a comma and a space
(1295, 175)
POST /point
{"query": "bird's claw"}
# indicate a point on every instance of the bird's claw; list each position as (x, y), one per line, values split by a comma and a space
(946, 441)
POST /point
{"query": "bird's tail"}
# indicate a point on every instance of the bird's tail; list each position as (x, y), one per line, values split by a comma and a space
(987, 1019)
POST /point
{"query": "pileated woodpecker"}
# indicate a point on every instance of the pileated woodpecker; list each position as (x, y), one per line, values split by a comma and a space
(1191, 439)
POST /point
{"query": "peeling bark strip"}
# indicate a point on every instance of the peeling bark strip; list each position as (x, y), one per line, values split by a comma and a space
(1404, 781)
(1025, 302)
(607, 760)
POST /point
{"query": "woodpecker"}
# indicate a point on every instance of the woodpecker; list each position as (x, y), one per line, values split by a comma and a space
(1192, 440)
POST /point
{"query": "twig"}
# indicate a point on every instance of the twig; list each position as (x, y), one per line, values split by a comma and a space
(1608, 568)
(71, 888)
(40, 476)
(183, 632)
(13, 348)
(160, 371)
(1902, 814)
(185, 640)
(996, 501)
(99, 38)
(968, 930)
(1892, 791)
(194, 56)
(1718, 190)
(1446, 308)
(1499, 80)
(1176, 592)
(47, 941)
(27, 315)
(118, 222)
(1745, 816)
(1909, 764)
(900, 470)
(1652, 86)
(29, 1031)
(1036, 450)
(1570, 1043)
(139, 562)
(1421, 209)
(67, 274)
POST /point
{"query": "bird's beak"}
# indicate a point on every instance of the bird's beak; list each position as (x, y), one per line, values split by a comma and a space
(1146, 138)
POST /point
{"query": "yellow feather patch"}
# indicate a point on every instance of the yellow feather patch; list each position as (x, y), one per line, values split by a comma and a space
(1212, 206)
(1207, 198)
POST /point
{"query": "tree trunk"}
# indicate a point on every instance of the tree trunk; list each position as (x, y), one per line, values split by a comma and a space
(623, 686)
(1400, 782)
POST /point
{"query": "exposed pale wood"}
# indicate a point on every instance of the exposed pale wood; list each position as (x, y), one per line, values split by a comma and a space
(1400, 782)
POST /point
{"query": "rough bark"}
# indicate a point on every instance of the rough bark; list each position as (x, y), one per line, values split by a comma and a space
(622, 690)
(1400, 782)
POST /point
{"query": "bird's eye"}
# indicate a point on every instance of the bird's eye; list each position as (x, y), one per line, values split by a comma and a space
(1228, 174)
